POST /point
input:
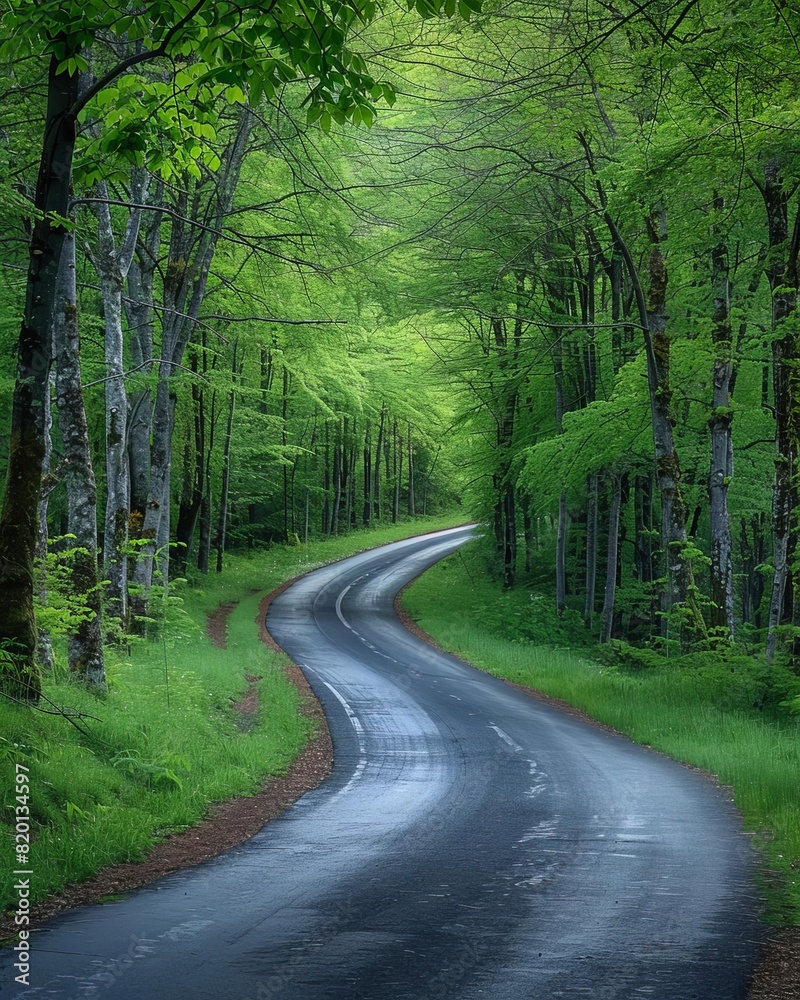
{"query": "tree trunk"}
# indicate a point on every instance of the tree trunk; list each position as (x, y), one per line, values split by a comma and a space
(376, 474)
(19, 523)
(497, 511)
(222, 525)
(510, 539)
(367, 477)
(285, 467)
(528, 530)
(591, 548)
(668, 470)
(326, 484)
(352, 461)
(44, 650)
(561, 531)
(398, 473)
(561, 555)
(411, 501)
(337, 479)
(752, 555)
(612, 558)
(191, 504)
(206, 505)
(85, 646)
(719, 424)
(139, 312)
(112, 264)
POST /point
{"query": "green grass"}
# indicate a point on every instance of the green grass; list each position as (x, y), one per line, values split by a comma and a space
(164, 743)
(701, 715)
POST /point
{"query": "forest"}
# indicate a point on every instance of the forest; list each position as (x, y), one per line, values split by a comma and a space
(280, 283)
(275, 275)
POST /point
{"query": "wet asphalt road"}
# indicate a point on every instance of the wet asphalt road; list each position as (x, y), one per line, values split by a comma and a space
(470, 843)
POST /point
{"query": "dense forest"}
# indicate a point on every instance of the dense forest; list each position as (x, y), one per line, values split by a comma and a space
(271, 274)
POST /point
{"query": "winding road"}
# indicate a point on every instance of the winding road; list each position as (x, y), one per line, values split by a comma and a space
(470, 843)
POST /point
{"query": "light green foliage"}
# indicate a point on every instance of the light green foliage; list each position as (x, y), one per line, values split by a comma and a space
(214, 49)
(62, 611)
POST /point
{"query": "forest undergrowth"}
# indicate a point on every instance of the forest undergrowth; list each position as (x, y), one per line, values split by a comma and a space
(111, 775)
(723, 713)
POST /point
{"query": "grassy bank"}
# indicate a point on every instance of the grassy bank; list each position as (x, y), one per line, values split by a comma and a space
(148, 758)
(702, 715)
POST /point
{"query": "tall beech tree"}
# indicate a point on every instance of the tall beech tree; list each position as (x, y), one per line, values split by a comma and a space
(85, 646)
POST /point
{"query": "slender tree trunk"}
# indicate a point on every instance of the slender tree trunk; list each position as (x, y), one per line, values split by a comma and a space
(326, 484)
(752, 556)
(612, 559)
(527, 522)
(285, 468)
(191, 504)
(561, 531)
(112, 264)
(115, 534)
(44, 651)
(19, 523)
(398, 473)
(85, 646)
(561, 555)
(352, 461)
(367, 476)
(643, 517)
(387, 452)
(411, 499)
(591, 548)
(499, 532)
(376, 475)
(337, 479)
(138, 307)
(206, 504)
(510, 538)
(222, 525)
(719, 424)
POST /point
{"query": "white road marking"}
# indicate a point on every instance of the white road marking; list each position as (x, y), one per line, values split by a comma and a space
(356, 722)
(507, 739)
(351, 715)
(347, 625)
(339, 614)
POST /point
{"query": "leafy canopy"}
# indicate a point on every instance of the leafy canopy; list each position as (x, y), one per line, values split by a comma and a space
(244, 51)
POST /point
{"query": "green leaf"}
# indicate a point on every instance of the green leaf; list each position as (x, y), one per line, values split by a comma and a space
(235, 95)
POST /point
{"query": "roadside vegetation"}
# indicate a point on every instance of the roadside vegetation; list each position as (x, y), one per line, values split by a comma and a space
(726, 713)
(111, 775)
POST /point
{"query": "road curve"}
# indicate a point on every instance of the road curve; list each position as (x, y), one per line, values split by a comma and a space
(469, 843)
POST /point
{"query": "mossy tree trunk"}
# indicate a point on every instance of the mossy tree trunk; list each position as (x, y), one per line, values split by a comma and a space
(782, 272)
(720, 426)
(85, 646)
(19, 524)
